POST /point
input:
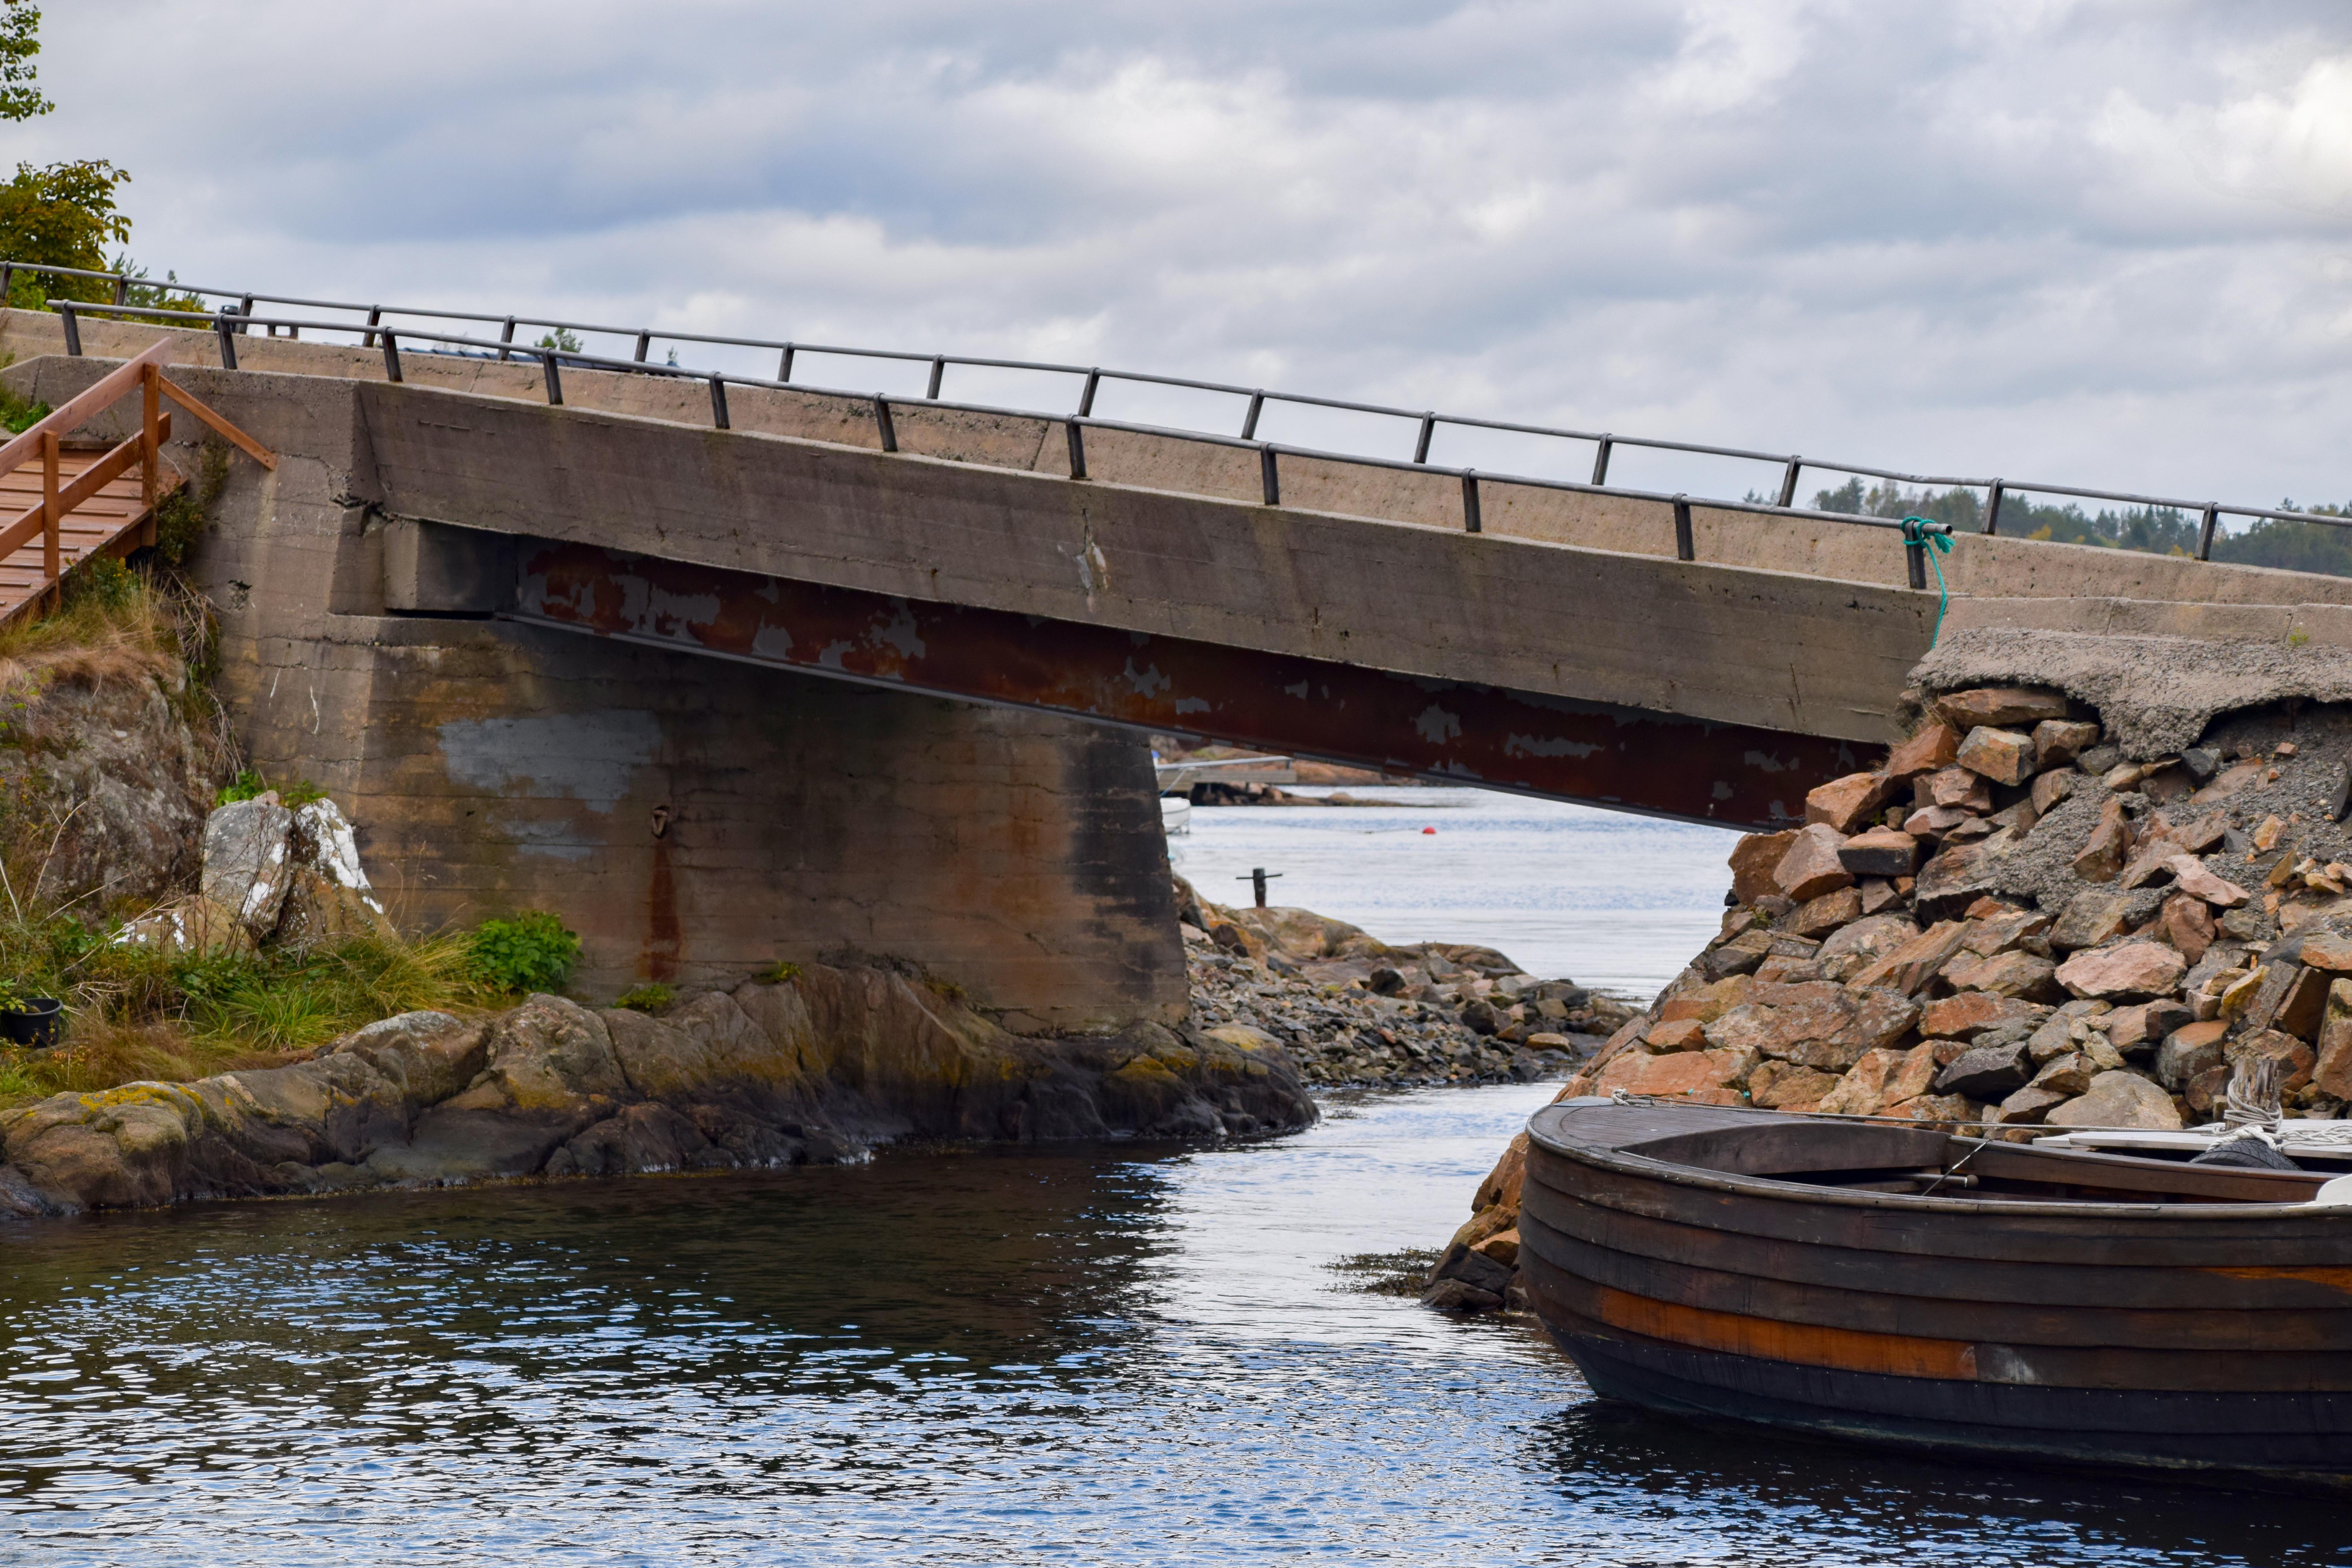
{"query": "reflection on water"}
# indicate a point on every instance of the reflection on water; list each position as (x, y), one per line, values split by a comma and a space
(1089, 1354)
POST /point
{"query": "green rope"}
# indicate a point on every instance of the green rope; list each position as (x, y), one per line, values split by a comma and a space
(1915, 533)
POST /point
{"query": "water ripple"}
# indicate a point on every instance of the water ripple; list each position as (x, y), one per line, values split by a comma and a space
(1086, 1354)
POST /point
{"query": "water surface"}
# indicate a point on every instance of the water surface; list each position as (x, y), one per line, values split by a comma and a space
(1097, 1355)
(1609, 900)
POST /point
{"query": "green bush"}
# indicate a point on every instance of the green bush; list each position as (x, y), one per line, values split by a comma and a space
(250, 783)
(181, 515)
(531, 952)
(19, 413)
(646, 998)
(104, 581)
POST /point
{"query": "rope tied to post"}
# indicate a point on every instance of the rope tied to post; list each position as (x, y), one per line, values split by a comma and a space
(1917, 535)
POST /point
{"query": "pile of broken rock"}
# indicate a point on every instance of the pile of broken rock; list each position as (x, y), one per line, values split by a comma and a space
(2043, 931)
(2010, 922)
(1352, 1010)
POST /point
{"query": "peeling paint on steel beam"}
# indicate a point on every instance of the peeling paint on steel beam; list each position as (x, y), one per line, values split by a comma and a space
(1627, 758)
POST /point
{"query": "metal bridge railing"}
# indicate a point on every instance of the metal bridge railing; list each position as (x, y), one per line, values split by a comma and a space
(384, 325)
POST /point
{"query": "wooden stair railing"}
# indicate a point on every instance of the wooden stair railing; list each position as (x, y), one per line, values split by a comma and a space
(87, 505)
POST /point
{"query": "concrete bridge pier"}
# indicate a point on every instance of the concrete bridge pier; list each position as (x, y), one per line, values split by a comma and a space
(696, 821)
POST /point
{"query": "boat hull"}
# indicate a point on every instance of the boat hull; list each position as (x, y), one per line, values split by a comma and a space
(2159, 1335)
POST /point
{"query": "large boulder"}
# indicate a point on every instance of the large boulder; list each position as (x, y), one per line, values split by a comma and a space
(2127, 971)
(326, 895)
(2005, 705)
(1811, 866)
(1987, 1072)
(2119, 1099)
(1847, 804)
(1709, 1077)
(1753, 860)
(247, 861)
(1882, 1078)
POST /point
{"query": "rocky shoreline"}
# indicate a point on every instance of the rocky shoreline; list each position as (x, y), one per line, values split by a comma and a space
(1353, 1011)
(815, 1064)
(819, 1065)
(2012, 922)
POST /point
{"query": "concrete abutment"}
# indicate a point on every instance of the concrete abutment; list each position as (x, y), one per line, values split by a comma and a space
(696, 821)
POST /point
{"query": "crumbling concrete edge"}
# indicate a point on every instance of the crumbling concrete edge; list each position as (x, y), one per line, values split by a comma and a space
(2153, 694)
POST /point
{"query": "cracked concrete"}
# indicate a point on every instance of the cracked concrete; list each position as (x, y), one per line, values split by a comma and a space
(2156, 695)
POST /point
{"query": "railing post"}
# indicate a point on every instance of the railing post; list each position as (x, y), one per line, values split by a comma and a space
(1992, 508)
(1600, 460)
(1471, 522)
(1685, 548)
(73, 328)
(2205, 530)
(244, 308)
(1077, 450)
(1915, 563)
(121, 289)
(882, 424)
(1087, 396)
(1249, 420)
(228, 336)
(51, 517)
(1789, 482)
(1421, 442)
(554, 379)
(375, 317)
(7, 283)
(1269, 478)
(391, 357)
(939, 371)
(718, 403)
(784, 365)
(645, 346)
(507, 336)
(151, 434)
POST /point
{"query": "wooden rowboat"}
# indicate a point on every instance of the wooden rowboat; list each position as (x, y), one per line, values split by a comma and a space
(1911, 1285)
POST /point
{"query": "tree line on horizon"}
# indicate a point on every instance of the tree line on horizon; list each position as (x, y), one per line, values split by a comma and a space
(2156, 531)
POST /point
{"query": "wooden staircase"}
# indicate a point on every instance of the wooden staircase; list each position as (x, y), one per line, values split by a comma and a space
(72, 498)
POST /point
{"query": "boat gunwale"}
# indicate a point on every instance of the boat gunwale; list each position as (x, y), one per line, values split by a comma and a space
(1654, 1168)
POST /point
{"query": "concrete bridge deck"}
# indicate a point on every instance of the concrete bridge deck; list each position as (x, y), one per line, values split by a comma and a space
(1564, 649)
(1785, 629)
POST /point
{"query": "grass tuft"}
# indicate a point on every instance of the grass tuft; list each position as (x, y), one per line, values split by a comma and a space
(646, 998)
(134, 1013)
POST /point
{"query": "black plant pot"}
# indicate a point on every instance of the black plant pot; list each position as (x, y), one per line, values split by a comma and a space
(34, 1022)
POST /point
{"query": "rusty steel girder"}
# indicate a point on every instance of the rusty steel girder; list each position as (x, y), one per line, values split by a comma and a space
(1629, 759)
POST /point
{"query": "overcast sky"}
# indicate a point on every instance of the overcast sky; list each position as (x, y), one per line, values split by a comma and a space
(2105, 242)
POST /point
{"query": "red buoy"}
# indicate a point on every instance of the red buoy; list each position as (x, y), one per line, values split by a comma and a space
(1429, 830)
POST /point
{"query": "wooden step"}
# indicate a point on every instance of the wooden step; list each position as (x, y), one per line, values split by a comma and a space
(109, 521)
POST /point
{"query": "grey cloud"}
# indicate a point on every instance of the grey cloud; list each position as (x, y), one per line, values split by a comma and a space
(2083, 237)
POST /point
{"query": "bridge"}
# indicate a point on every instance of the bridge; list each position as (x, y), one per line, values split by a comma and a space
(658, 648)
